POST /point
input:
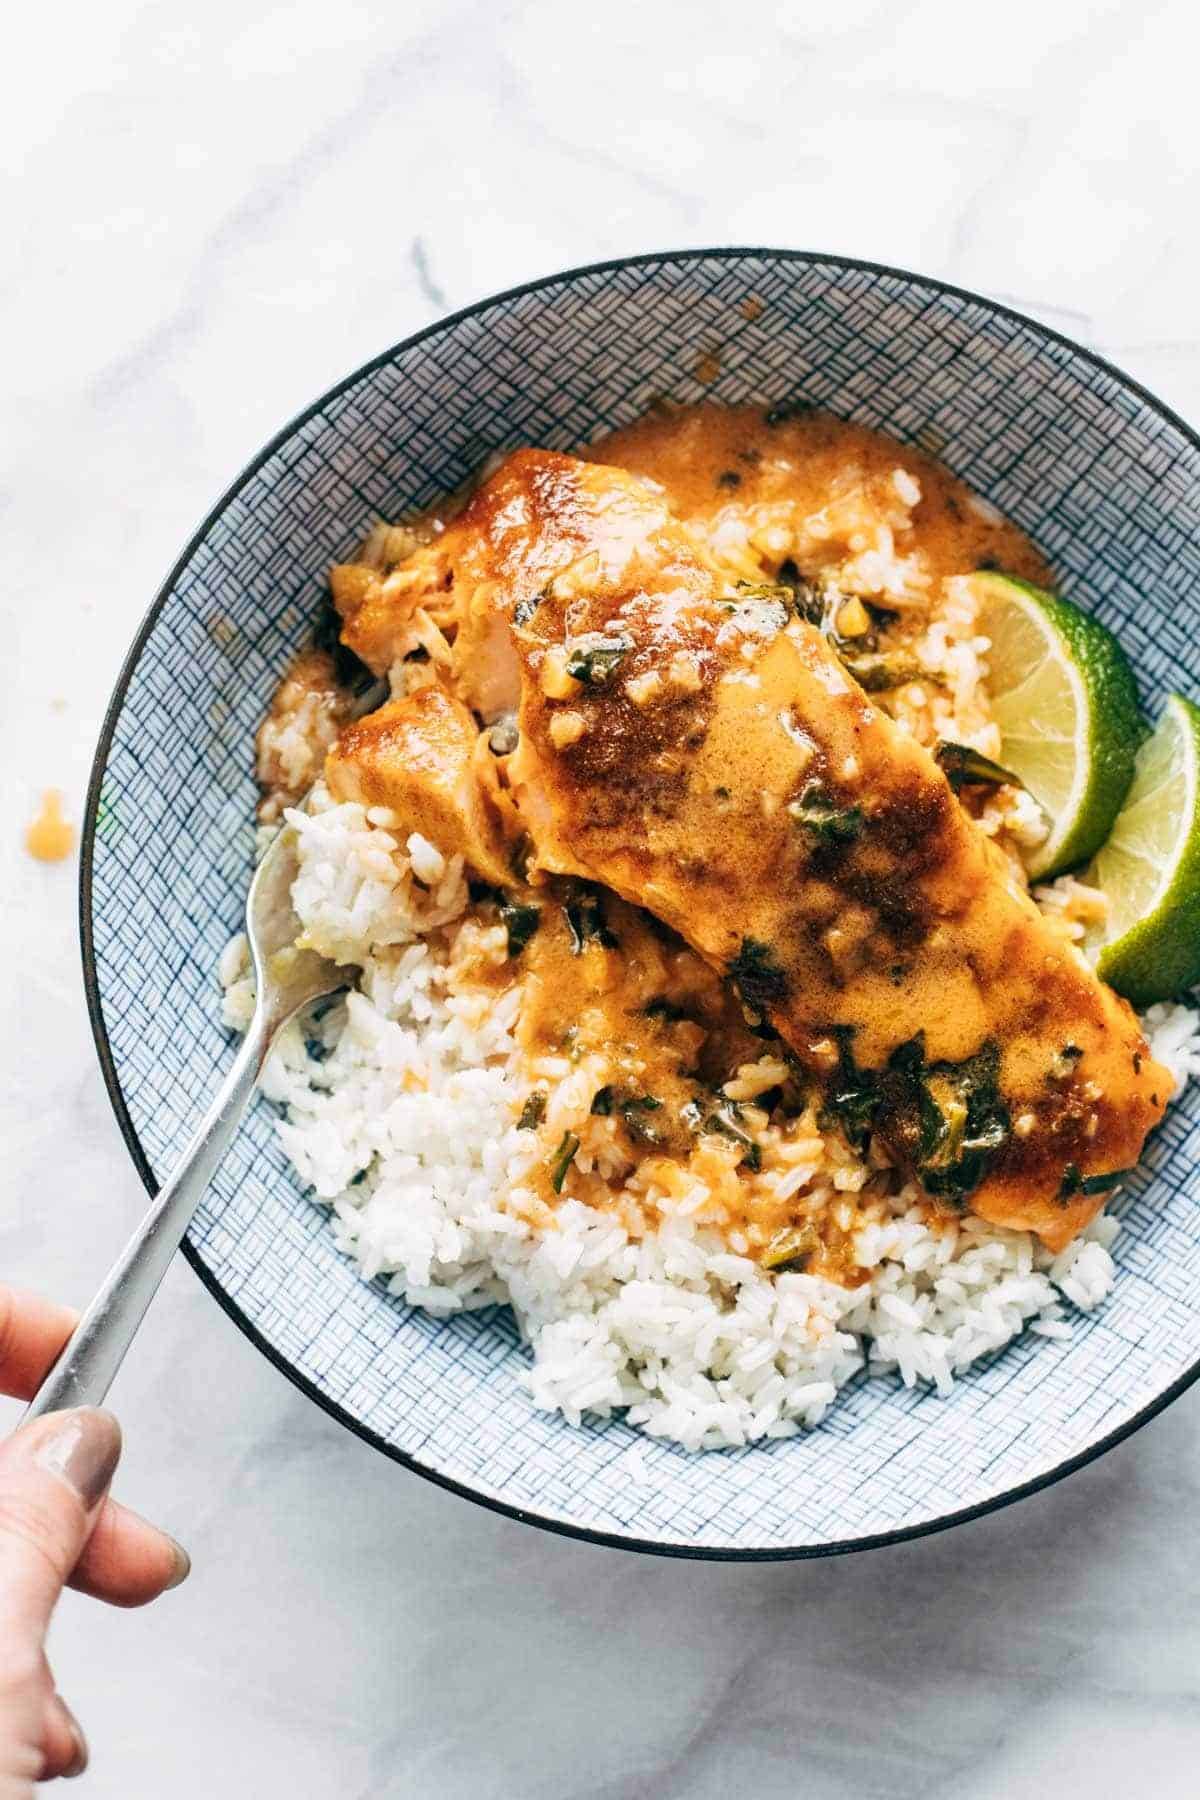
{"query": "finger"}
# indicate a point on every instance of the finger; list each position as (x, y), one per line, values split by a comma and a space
(64, 1747)
(26, 1685)
(53, 1476)
(32, 1332)
(127, 1561)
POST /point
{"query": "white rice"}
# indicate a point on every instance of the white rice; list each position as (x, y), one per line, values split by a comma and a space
(399, 1104)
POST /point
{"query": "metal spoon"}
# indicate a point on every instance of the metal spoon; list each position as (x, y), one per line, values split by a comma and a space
(285, 980)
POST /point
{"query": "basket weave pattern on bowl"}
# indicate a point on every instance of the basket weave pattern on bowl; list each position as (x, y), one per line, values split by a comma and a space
(1105, 481)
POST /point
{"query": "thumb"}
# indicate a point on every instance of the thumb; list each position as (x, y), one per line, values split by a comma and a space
(53, 1476)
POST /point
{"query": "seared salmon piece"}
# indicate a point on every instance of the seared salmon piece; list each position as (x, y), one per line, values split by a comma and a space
(423, 756)
(692, 743)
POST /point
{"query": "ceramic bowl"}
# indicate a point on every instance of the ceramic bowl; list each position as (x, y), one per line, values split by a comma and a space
(1101, 475)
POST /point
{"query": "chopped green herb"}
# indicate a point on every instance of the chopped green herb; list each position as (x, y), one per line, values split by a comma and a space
(533, 1111)
(562, 1159)
(874, 669)
(829, 824)
(808, 602)
(592, 659)
(520, 922)
(790, 1248)
(879, 673)
(757, 976)
(1074, 1183)
(584, 914)
(852, 1096)
(1101, 1184)
(947, 1119)
(726, 1122)
(633, 1110)
(964, 767)
(942, 1112)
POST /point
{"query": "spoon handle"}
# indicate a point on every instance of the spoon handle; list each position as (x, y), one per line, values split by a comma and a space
(96, 1348)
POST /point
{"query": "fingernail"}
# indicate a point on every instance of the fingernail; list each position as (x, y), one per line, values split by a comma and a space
(79, 1761)
(83, 1450)
(183, 1566)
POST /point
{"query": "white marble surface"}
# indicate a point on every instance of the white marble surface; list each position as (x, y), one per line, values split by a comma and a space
(212, 213)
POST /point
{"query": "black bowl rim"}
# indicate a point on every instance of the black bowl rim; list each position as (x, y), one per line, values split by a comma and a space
(564, 1528)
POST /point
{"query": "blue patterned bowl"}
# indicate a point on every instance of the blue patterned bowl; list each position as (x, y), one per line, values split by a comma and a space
(1099, 473)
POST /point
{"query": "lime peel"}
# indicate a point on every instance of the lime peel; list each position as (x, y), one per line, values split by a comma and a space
(1064, 698)
(1149, 871)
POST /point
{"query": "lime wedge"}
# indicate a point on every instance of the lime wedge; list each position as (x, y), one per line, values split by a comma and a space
(1063, 695)
(1150, 867)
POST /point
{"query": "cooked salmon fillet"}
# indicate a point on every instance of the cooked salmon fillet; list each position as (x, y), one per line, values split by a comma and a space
(695, 745)
(421, 755)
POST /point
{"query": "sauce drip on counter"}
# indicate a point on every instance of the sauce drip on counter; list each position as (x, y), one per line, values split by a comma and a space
(50, 837)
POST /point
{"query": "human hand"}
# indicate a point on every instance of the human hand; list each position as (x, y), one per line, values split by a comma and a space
(57, 1526)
